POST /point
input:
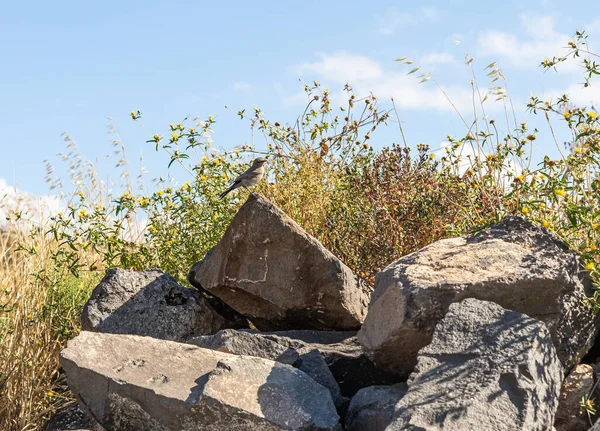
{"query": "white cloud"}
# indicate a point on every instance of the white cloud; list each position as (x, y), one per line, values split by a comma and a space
(394, 19)
(242, 87)
(366, 75)
(541, 40)
(343, 67)
(436, 57)
(35, 208)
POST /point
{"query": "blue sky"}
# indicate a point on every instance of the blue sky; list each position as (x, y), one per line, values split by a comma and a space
(67, 66)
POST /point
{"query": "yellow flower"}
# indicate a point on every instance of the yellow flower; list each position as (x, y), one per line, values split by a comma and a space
(210, 118)
(567, 115)
(82, 213)
(185, 185)
(590, 266)
(577, 150)
(546, 224)
(50, 393)
(175, 136)
(560, 192)
(159, 193)
(520, 178)
(525, 210)
(203, 178)
(157, 137)
(29, 316)
(205, 159)
(179, 126)
(593, 247)
(98, 207)
(169, 190)
(224, 175)
(431, 156)
(594, 226)
(81, 286)
(192, 130)
(592, 114)
(572, 44)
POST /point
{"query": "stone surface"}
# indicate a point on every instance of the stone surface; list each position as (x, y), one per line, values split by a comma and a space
(312, 363)
(148, 303)
(270, 270)
(246, 343)
(306, 358)
(515, 264)
(72, 419)
(372, 408)
(578, 383)
(487, 368)
(130, 382)
(347, 361)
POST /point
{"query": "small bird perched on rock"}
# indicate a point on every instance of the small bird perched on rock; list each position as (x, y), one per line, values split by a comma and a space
(249, 178)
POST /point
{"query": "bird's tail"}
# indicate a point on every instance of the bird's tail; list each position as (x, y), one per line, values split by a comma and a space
(222, 195)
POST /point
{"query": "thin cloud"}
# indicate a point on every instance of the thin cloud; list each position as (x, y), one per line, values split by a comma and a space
(394, 19)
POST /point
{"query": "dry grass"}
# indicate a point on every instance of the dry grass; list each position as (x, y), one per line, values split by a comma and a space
(37, 317)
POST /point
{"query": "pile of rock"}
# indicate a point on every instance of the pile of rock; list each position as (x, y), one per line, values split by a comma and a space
(470, 333)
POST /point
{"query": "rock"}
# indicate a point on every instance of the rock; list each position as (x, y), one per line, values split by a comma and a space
(372, 408)
(347, 361)
(579, 383)
(270, 270)
(72, 419)
(515, 264)
(246, 343)
(148, 303)
(306, 359)
(130, 382)
(312, 363)
(487, 368)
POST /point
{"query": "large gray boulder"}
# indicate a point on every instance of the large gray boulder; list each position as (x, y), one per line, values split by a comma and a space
(269, 269)
(487, 368)
(515, 264)
(149, 303)
(372, 408)
(342, 353)
(130, 382)
(305, 358)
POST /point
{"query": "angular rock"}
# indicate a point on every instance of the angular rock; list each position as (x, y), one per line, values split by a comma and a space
(579, 383)
(347, 361)
(515, 264)
(487, 368)
(372, 408)
(72, 419)
(270, 270)
(246, 343)
(148, 303)
(312, 363)
(130, 382)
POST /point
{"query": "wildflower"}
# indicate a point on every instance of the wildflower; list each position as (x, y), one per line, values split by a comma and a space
(169, 190)
(157, 138)
(577, 150)
(520, 178)
(572, 44)
(594, 226)
(590, 266)
(546, 224)
(560, 192)
(81, 286)
(593, 247)
(224, 175)
(151, 228)
(50, 393)
(203, 178)
(192, 130)
(210, 117)
(179, 126)
(80, 195)
(82, 213)
(175, 136)
(531, 137)
(160, 192)
(29, 316)
(525, 210)
(567, 115)
(98, 207)
(185, 185)
(431, 156)
(592, 114)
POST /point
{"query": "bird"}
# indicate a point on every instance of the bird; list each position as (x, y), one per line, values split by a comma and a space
(249, 178)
